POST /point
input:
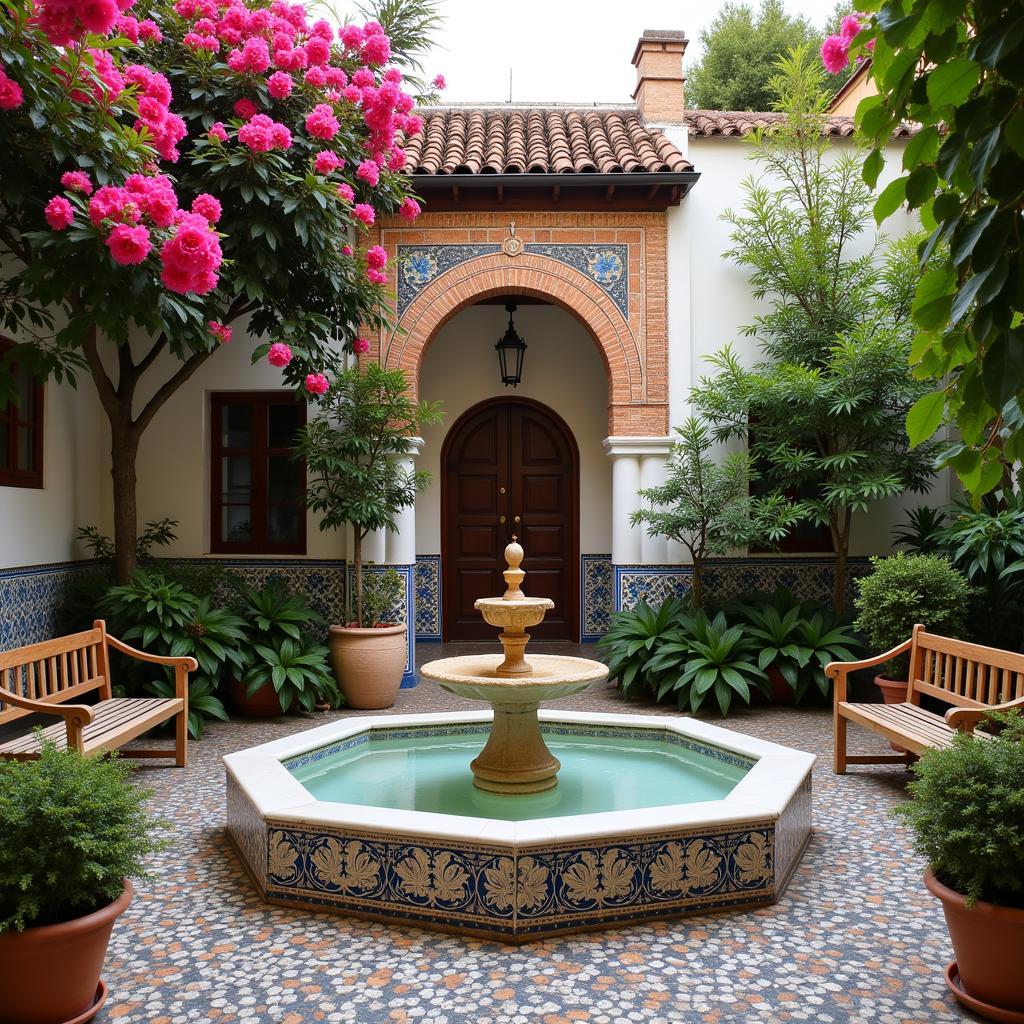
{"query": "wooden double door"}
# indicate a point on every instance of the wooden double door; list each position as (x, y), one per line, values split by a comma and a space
(510, 467)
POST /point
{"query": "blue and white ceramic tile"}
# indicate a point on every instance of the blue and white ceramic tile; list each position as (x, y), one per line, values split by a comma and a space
(30, 600)
(427, 586)
(418, 265)
(606, 265)
(597, 596)
(404, 611)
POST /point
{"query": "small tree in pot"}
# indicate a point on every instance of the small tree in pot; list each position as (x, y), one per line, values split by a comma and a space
(74, 832)
(352, 454)
(967, 814)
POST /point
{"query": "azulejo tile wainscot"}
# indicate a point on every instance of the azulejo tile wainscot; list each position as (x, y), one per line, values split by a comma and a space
(515, 881)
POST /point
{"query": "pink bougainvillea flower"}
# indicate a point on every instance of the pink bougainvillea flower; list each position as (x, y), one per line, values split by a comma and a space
(217, 131)
(364, 212)
(207, 206)
(149, 31)
(279, 355)
(376, 257)
(77, 181)
(59, 213)
(346, 250)
(11, 96)
(191, 256)
(360, 346)
(409, 209)
(245, 108)
(315, 76)
(220, 331)
(321, 122)
(376, 49)
(440, 82)
(351, 36)
(129, 245)
(326, 161)
(369, 172)
(279, 85)
(345, 192)
(376, 276)
(849, 26)
(835, 54)
(316, 384)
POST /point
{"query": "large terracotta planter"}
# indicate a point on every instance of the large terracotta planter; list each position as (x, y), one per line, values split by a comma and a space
(51, 974)
(893, 692)
(988, 943)
(368, 664)
(263, 703)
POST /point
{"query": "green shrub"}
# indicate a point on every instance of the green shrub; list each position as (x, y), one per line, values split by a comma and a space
(903, 590)
(73, 829)
(632, 639)
(966, 810)
(382, 594)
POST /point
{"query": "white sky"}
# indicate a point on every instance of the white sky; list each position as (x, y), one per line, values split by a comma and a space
(562, 50)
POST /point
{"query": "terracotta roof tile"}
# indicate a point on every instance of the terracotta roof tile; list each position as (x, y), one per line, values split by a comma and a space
(537, 140)
(736, 123)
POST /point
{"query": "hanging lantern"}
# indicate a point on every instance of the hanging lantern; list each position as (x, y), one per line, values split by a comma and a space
(511, 349)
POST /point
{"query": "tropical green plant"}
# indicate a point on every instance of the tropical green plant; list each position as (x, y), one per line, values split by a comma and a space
(956, 71)
(297, 669)
(632, 639)
(966, 810)
(203, 701)
(738, 50)
(921, 532)
(827, 638)
(706, 506)
(353, 455)
(704, 656)
(778, 634)
(902, 590)
(156, 533)
(825, 406)
(274, 611)
(382, 594)
(74, 828)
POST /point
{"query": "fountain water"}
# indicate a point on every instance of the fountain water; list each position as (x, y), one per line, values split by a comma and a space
(515, 759)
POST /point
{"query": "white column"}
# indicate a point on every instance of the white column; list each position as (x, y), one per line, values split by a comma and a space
(374, 547)
(401, 544)
(628, 454)
(653, 550)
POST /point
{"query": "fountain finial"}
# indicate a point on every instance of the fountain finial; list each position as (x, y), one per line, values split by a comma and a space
(514, 576)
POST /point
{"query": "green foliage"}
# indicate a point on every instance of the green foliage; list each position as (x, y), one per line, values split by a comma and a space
(957, 71)
(74, 828)
(966, 810)
(156, 533)
(382, 595)
(902, 590)
(921, 531)
(632, 639)
(738, 51)
(353, 451)
(827, 639)
(706, 505)
(829, 397)
(704, 656)
(410, 25)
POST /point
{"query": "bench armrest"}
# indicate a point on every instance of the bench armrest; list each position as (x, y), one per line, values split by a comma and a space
(839, 670)
(965, 719)
(189, 664)
(76, 716)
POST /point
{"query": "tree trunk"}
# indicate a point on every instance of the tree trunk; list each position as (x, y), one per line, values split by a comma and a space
(841, 540)
(697, 586)
(357, 559)
(124, 452)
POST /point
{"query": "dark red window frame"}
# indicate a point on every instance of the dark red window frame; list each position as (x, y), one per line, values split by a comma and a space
(18, 418)
(259, 451)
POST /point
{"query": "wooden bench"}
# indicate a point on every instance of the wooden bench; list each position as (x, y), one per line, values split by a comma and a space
(42, 679)
(975, 680)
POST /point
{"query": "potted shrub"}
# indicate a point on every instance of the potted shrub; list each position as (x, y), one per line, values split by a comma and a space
(967, 814)
(900, 591)
(285, 664)
(352, 454)
(75, 831)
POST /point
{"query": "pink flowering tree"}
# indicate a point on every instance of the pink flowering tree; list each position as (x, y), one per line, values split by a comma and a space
(216, 165)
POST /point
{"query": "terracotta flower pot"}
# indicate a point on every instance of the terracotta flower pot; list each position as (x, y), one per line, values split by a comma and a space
(51, 974)
(368, 664)
(782, 692)
(263, 703)
(988, 943)
(893, 692)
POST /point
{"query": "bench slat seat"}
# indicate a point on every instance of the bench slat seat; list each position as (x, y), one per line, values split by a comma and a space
(972, 679)
(47, 678)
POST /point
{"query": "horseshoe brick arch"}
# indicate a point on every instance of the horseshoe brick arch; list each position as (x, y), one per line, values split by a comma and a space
(609, 270)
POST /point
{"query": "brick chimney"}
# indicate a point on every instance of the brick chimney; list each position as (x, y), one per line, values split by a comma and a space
(658, 59)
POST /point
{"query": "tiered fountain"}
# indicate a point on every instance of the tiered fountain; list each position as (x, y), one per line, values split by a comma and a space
(516, 759)
(654, 816)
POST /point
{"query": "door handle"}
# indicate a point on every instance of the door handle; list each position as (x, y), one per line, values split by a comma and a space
(501, 519)
(515, 519)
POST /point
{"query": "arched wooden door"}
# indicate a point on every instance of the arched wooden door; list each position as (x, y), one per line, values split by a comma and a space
(509, 466)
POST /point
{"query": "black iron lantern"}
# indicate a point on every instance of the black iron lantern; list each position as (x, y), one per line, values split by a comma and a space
(511, 349)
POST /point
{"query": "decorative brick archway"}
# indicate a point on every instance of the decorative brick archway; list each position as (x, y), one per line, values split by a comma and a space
(635, 362)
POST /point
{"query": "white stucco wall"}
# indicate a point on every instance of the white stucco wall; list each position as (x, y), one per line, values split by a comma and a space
(562, 369)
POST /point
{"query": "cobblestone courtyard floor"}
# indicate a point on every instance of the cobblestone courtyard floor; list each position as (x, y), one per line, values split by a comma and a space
(856, 937)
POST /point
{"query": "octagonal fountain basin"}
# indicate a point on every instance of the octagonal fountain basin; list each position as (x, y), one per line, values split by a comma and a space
(652, 817)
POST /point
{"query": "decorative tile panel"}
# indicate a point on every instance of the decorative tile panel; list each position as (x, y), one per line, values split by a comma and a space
(651, 584)
(403, 612)
(247, 830)
(597, 593)
(792, 831)
(30, 600)
(606, 265)
(418, 265)
(427, 587)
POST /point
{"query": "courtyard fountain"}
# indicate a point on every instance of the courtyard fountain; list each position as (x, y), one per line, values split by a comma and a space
(521, 821)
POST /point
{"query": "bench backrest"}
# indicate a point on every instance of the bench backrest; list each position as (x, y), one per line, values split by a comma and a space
(55, 671)
(967, 675)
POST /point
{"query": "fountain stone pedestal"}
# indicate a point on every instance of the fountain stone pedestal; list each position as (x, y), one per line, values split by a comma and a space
(515, 759)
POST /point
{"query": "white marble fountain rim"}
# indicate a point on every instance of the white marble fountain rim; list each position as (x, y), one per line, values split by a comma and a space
(763, 793)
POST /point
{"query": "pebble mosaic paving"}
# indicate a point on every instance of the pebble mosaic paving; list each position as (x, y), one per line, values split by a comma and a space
(856, 938)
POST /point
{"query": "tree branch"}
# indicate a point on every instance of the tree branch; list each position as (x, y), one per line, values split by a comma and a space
(164, 392)
(104, 386)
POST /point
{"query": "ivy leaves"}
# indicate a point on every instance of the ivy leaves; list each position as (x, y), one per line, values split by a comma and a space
(957, 71)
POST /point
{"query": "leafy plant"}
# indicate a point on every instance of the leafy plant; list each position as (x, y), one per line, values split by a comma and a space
(74, 828)
(706, 506)
(704, 656)
(382, 594)
(157, 533)
(203, 701)
(966, 810)
(956, 71)
(825, 406)
(826, 638)
(922, 531)
(297, 669)
(779, 633)
(353, 455)
(275, 612)
(632, 639)
(902, 590)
